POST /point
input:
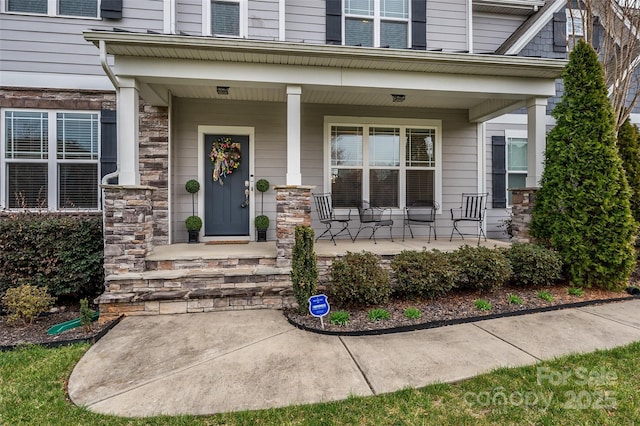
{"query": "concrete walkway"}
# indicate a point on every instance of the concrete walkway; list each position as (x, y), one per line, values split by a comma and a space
(228, 361)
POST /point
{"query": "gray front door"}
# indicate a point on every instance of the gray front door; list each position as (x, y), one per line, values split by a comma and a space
(226, 211)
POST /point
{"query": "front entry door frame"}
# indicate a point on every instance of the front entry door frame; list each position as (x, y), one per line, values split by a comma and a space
(230, 131)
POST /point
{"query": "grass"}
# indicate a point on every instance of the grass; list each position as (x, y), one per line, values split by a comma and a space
(545, 295)
(575, 291)
(32, 393)
(412, 313)
(483, 305)
(515, 299)
(339, 318)
(378, 314)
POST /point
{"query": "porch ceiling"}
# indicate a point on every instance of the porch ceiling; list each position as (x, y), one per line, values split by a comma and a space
(192, 67)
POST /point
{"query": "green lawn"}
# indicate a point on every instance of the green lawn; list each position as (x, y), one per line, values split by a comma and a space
(593, 389)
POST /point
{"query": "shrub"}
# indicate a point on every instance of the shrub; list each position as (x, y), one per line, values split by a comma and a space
(339, 318)
(483, 305)
(575, 291)
(629, 148)
(192, 186)
(86, 314)
(378, 314)
(533, 265)
(63, 253)
(481, 268)
(514, 299)
(545, 295)
(359, 279)
(26, 301)
(304, 268)
(582, 209)
(412, 313)
(261, 222)
(423, 273)
(193, 223)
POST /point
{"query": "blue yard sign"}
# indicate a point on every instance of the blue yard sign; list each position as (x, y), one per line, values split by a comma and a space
(319, 306)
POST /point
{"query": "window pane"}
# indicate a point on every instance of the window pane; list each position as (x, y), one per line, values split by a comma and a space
(384, 147)
(358, 7)
(346, 146)
(27, 135)
(28, 6)
(574, 23)
(27, 185)
(393, 35)
(358, 32)
(515, 180)
(346, 187)
(383, 187)
(78, 186)
(77, 136)
(421, 147)
(225, 18)
(78, 7)
(517, 154)
(420, 187)
(394, 9)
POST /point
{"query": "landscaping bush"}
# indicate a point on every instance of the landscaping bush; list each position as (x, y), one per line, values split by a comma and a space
(359, 279)
(304, 267)
(63, 253)
(481, 268)
(533, 265)
(423, 273)
(26, 301)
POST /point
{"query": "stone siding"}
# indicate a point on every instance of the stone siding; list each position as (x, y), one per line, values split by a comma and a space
(293, 208)
(15, 97)
(522, 208)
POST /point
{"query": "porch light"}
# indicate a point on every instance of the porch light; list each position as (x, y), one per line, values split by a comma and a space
(398, 98)
(428, 141)
(222, 90)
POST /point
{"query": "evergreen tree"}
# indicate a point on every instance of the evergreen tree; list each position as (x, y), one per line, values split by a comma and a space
(629, 147)
(583, 206)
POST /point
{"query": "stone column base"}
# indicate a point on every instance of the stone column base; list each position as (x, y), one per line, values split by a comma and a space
(293, 207)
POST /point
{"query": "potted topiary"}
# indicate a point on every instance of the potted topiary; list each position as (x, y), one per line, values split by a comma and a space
(193, 224)
(262, 224)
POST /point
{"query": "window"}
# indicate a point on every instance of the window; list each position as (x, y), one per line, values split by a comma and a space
(390, 164)
(82, 8)
(516, 161)
(50, 159)
(224, 18)
(575, 26)
(376, 23)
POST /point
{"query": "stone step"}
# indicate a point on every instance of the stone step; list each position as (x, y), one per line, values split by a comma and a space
(257, 271)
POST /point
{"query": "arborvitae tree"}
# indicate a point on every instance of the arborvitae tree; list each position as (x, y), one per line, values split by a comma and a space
(582, 209)
(629, 147)
(304, 267)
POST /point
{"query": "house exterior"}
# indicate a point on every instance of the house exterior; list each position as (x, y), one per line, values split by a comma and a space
(112, 105)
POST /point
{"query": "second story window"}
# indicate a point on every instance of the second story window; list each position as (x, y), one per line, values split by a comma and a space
(81, 8)
(376, 23)
(225, 18)
(87, 8)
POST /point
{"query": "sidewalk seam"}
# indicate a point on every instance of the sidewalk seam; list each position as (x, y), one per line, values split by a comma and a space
(507, 342)
(609, 319)
(364, 376)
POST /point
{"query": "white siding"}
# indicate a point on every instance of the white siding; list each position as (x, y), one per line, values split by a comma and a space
(269, 120)
(447, 25)
(305, 21)
(189, 17)
(263, 19)
(491, 30)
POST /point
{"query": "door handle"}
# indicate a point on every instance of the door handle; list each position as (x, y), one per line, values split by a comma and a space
(246, 195)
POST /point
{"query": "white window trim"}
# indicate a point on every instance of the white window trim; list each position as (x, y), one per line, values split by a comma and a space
(571, 14)
(403, 124)
(52, 160)
(52, 11)
(206, 19)
(377, 19)
(512, 134)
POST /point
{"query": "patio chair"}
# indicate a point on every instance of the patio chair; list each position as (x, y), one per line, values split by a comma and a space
(472, 209)
(421, 213)
(374, 217)
(328, 218)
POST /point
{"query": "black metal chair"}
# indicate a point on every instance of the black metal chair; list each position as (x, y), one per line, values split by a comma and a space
(374, 217)
(472, 209)
(328, 218)
(421, 213)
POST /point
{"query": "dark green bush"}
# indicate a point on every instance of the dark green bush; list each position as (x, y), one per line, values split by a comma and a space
(359, 279)
(304, 267)
(533, 265)
(481, 268)
(63, 253)
(423, 273)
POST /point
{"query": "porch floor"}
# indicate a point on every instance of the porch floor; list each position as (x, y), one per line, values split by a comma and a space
(323, 248)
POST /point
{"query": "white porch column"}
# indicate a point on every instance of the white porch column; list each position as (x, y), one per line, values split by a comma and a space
(536, 139)
(294, 177)
(128, 132)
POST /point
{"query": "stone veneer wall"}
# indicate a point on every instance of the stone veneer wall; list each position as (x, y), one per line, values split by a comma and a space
(293, 208)
(15, 97)
(522, 206)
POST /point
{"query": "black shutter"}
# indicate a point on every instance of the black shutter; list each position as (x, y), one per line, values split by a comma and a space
(560, 32)
(597, 28)
(108, 142)
(334, 22)
(499, 172)
(111, 9)
(419, 24)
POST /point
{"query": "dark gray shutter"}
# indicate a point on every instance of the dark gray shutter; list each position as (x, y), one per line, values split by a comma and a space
(560, 31)
(108, 142)
(111, 9)
(334, 22)
(419, 24)
(597, 31)
(499, 172)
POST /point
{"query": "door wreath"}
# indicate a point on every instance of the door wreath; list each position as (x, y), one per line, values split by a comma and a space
(225, 157)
